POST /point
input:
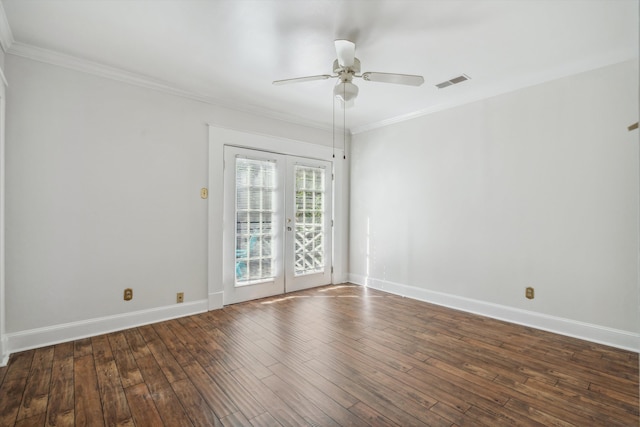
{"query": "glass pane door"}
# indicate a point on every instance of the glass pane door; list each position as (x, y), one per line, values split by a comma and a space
(308, 250)
(277, 224)
(253, 244)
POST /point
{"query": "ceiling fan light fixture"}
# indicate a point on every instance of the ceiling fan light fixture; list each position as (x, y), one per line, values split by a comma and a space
(345, 91)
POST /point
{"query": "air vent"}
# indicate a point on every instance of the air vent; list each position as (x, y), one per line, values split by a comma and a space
(453, 81)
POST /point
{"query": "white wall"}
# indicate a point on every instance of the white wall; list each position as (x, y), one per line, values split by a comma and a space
(538, 187)
(103, 193)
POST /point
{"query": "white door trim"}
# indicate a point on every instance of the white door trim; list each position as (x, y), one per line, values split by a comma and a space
(4, 351)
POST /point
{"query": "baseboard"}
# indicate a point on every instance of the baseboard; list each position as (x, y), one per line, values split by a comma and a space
(4, 354)
(216, 300)
(40, 337)
(340, 278)
(595, 333)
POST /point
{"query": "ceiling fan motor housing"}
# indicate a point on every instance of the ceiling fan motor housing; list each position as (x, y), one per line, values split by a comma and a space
(354, 69)
(345, 90)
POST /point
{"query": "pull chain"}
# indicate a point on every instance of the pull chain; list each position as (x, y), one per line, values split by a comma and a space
(344, 122)
(333, 127)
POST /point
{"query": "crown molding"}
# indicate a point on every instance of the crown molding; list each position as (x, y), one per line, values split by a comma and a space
(454, 99)
(67, 61)
(6, 36)
(97, 69)
(461, 97)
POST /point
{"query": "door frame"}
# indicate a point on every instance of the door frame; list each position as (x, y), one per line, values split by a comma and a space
(218, 138)
(4, 350)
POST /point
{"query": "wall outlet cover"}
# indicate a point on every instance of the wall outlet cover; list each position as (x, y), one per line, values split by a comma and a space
(529, 293)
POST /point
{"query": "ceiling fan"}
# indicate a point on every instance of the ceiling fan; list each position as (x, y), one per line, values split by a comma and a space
(346, 67)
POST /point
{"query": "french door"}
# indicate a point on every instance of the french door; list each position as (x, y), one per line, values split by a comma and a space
(277, 224)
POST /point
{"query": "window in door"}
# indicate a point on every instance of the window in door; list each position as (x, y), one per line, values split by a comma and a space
(309, 220)
(255, 194)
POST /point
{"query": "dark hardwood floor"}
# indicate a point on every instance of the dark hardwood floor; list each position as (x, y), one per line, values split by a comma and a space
(341, 355)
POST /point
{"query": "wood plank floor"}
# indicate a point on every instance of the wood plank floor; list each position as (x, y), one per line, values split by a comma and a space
(340, 355)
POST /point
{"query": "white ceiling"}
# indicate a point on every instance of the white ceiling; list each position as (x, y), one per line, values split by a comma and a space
(229, 52)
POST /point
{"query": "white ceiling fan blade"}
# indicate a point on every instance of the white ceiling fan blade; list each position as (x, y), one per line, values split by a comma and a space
(401, 79)
(302, 79)
(346, 51)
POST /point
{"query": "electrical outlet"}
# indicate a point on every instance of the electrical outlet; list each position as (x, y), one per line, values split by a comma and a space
(529, 293)
(128, 294)
(180, 297)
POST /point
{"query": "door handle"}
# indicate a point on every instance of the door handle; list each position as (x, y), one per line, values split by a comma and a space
(288, 228)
